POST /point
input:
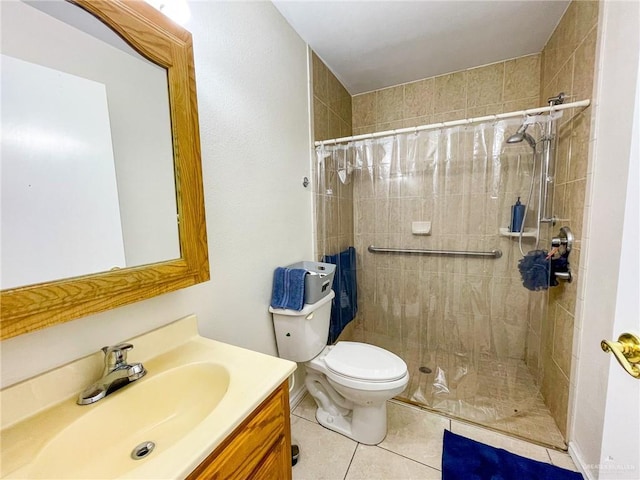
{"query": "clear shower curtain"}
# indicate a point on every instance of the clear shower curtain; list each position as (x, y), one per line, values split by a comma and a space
(465, 326)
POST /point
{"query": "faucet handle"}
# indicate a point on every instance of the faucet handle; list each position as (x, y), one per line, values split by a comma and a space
(115, 355)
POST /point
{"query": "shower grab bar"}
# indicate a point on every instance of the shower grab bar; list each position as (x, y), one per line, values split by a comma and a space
(453, 253)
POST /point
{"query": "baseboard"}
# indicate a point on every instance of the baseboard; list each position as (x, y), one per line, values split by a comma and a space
(578, 459)
(296, 396)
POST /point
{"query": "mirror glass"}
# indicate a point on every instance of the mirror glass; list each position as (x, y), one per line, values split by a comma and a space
(87, 156)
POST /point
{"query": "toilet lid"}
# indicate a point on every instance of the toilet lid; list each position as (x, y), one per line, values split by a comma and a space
(365, 362)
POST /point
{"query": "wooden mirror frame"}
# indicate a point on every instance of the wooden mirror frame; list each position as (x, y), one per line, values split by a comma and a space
(33, 307)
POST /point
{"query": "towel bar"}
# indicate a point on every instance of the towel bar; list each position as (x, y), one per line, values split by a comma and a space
(453, 253)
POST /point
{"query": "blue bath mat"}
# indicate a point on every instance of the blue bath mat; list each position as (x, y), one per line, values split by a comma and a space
(465, 459)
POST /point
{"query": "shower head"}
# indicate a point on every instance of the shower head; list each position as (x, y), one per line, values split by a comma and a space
(521, 135)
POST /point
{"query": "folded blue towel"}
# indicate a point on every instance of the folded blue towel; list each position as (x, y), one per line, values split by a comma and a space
(288, 288)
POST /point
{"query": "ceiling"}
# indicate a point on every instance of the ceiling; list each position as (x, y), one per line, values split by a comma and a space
(375, 44)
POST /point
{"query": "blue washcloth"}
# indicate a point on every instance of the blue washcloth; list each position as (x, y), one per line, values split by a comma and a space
(288, 288)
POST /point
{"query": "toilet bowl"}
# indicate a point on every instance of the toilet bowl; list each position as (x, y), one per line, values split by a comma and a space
(349, 381)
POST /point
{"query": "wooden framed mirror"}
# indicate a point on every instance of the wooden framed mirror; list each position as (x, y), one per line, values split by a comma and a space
(32, 307)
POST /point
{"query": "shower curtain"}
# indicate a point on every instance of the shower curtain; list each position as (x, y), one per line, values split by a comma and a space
(465, 326)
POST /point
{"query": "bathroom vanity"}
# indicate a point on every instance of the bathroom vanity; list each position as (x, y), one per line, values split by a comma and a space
(211, 410)
(259, 448)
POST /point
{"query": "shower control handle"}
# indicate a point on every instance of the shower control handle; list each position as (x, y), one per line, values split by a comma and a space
(564, 239)
(566, 276)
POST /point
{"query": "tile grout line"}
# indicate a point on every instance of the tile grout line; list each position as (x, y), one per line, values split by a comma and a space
(351, 461)
(549, 455)
(409, 458)
(314, 422)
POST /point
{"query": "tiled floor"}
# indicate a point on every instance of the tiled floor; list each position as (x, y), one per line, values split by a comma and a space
(411, 450)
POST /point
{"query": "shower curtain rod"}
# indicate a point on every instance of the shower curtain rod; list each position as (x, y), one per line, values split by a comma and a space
(454, 123)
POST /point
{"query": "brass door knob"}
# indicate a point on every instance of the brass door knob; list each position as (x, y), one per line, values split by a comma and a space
(627, 352)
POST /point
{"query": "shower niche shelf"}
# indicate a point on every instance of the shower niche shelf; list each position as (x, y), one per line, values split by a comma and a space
(528, 233)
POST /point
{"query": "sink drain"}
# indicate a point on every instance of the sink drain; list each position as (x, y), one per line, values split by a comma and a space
(142, 450)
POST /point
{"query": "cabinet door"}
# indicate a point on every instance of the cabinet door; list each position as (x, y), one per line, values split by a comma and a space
(276, 465)
(261, 445)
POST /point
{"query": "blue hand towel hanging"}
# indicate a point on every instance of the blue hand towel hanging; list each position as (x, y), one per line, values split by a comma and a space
(345, 303)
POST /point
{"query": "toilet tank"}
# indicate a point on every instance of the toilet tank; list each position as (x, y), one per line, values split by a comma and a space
(302, 334)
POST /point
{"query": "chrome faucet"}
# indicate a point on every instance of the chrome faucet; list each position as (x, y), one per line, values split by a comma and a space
(117, 374)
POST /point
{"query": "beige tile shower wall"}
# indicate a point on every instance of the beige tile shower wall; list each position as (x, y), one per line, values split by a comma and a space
(411, 319)
(331, 119)
(331, 103)
(496, 88)
(567, 65)
(415, 305)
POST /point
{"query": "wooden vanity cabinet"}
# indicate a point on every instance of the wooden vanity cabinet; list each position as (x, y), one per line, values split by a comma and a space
(260, 448)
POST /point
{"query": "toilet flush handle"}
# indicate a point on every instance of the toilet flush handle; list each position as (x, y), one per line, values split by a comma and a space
(309, 317)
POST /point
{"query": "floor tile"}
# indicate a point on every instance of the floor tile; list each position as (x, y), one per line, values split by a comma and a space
(324, 455)
(562, 460)
(415, 434)
(375, 463)
(411, 449)
(306, 408)
(498, 440)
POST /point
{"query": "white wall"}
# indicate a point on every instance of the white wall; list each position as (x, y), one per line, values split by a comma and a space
(619, 50)
(251, 73)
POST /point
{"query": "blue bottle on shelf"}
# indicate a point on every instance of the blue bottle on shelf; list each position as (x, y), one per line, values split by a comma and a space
(517, 216)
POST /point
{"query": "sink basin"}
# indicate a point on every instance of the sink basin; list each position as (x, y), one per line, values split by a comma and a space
(100, 442)
(196, 392)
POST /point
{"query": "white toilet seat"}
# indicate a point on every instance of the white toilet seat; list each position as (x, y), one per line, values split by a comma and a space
(369, 386)
(365, 362)
(361, 366)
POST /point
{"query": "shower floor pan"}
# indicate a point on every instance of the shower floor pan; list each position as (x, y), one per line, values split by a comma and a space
(520, 412)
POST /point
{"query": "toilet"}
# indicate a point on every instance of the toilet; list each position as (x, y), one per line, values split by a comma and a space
(349, 381)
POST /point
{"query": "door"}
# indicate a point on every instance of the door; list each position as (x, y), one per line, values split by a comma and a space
(621, 457)
(605, 425)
